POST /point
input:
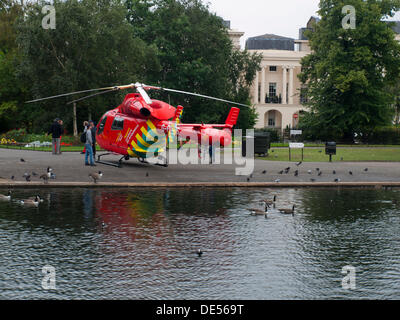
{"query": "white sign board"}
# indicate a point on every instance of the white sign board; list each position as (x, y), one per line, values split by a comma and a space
(296, 145)
(296, 132)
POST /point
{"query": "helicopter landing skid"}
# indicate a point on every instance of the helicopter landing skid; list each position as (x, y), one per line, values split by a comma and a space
(165, 164)
(119, 165)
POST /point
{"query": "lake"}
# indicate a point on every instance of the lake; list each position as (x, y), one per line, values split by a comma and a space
(142, 243)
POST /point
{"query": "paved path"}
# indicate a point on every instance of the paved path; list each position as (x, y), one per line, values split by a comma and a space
(69, 169)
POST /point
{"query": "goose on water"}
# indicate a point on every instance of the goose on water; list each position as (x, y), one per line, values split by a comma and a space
(6, 197)
(269, 202)
(287, 211)
(256, 212)
(31, 202)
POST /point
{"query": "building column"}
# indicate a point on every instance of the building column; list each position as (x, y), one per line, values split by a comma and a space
(256, 100)
(291, 85)
(262, 100)
(284, 82)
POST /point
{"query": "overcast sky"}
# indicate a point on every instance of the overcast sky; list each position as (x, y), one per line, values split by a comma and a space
(257, 17)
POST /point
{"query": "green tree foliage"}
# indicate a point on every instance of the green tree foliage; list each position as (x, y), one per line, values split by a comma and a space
(11, 91)
(92, 46)
(196, 55)
(349, 70)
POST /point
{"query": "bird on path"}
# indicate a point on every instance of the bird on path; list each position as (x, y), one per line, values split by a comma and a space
(280, 172)
(199, 252)
(366, 169)
(337, 180)
(45, 178)
(350, 173)
(277, 180)
(320, 173)
(312, 180)
(334, 171)
(96, 176)
(296, 173)
(264, 172)
(297, 164)
(22, 160)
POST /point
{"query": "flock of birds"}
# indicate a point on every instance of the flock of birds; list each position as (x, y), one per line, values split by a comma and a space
(296, 173)
(50, 175)
(267, 204)
(30, 202)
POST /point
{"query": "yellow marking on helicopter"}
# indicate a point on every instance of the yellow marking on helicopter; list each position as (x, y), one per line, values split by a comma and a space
(146, 143)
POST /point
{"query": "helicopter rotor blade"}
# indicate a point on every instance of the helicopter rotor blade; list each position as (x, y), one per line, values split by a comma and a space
(70, 93)
(92, 95)
(199, 95)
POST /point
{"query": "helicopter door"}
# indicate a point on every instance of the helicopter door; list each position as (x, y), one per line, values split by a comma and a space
(118, 125)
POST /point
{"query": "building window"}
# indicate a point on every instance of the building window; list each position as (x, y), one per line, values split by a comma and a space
(272, 68)
(272, 89)
(271, 119)
(271, 122)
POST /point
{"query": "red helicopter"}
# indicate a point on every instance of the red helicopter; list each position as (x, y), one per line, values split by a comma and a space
(143, 128)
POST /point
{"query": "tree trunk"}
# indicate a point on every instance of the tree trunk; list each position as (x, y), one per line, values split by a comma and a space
(74, 122)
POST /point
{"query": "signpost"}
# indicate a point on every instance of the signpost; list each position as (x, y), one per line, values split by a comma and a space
(296, 132)
(296, 145)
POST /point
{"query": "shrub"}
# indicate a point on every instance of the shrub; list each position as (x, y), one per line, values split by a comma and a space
(274, 134)
(383, 135)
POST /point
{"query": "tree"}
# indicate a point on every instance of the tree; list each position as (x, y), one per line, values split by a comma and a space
(11, 91)
(196, 55)
(92, 46)
(349, 70)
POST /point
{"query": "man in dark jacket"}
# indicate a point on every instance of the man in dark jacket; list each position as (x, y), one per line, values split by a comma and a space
(56, 131)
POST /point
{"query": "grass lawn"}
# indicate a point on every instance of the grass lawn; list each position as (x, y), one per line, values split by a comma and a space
(348, 154)
(382, 153)
(63, 148)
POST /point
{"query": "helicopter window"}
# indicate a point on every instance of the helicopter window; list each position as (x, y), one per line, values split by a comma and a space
(118, 124)
(102, 125)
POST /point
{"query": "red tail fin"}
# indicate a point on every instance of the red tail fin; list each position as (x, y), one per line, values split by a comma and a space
(232, 117)
(178, 113)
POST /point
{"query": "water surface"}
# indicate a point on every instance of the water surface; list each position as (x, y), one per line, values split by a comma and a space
(146, 248)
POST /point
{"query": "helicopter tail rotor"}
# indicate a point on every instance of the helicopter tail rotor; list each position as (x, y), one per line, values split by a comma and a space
(232, 117)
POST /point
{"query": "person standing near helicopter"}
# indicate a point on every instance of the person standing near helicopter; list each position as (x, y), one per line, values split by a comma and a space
(88, 144)
(56, 131)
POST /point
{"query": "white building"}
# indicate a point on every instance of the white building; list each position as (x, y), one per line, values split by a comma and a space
(276, 88)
